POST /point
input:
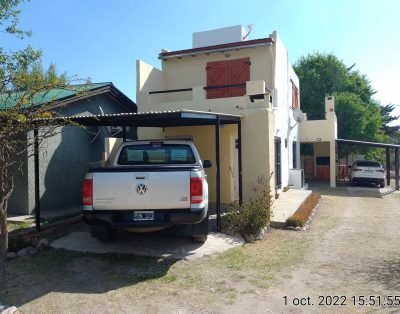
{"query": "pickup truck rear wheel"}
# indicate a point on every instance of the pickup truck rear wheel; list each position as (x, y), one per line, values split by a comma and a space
(200, 231)
(103, 233)
(200, 238)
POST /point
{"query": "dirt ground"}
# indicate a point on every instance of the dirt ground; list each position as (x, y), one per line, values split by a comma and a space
(351, 249)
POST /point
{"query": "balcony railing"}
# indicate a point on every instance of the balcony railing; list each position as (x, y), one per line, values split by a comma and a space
(255, 90)
(191, 89)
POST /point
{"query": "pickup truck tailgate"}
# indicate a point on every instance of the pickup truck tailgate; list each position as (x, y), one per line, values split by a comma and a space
(141, 190)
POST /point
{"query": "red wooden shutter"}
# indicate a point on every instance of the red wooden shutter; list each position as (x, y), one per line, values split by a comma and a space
(238, 73)
(217, 74)
(228, 73)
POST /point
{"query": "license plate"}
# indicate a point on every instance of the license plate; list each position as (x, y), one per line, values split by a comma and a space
(143, 215)
(368, 171)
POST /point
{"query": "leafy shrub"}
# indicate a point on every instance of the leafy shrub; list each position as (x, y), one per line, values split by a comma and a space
(252, 216)
(15, 244)
(301, 216)
(286, 188)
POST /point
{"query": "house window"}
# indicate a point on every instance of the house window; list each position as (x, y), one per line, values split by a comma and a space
(278, 176)
(224, 73)
(294, 153)
(295, 96)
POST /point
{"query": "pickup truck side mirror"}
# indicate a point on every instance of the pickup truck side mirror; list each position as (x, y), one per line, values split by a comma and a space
(207, 164)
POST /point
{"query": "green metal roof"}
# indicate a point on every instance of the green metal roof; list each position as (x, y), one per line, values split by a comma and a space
(8, 100)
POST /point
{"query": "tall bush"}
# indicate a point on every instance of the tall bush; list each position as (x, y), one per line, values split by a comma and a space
(250, 217)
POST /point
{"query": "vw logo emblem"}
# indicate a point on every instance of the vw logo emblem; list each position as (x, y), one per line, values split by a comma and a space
(141, 188)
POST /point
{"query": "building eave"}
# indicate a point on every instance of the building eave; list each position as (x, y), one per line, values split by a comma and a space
(217, 48)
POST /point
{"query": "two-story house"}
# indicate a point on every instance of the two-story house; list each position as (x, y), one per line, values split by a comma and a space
(226, 72)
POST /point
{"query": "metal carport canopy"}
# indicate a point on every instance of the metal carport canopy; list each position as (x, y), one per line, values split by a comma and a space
(369, 144)
(387, 146)
(152, 119)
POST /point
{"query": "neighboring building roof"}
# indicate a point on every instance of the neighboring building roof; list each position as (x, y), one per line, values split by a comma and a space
(70, 94)
(229, 46)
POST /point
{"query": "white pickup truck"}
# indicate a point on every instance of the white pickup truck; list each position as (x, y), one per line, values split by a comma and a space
(151, 185)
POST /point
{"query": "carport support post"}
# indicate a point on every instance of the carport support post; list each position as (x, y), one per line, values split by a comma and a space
(332, 163)
(218, 174)
(36, 166)
(388, 166)
(124, 133)
(240, 161)
(396, 167)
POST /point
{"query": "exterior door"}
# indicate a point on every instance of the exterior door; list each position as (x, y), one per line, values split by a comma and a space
(323, 173)
(278, 175)
(235, 172)
(230, 72)
(309, 168)
(323, 168)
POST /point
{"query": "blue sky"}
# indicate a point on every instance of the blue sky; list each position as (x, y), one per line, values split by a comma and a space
(102, 39)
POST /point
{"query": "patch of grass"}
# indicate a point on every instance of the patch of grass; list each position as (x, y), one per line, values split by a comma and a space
(301, 216)
(259, 263)
(234, 259)
(214, 279)
(168, 278)
(13, 226)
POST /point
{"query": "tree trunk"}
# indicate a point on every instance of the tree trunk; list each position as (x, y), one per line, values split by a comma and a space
(3, 242)
(6, 188)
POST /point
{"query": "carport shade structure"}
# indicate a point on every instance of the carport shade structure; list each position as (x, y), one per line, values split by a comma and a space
(386, 146)
(151, 119)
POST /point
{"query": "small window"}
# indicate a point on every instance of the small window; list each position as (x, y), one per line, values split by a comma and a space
(295, 97)
(323, 161)
(149, 154)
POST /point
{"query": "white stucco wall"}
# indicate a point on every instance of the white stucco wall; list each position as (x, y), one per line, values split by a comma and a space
(284, 74)
(319, 131)
(269, 65)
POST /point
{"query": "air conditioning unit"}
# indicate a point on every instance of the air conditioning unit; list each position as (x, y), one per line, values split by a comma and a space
(296, 178)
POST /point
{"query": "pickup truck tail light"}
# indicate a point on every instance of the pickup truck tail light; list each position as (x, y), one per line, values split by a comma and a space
(196, 190)
(87, 192)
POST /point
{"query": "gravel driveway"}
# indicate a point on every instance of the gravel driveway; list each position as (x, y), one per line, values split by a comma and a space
(351, 249)
(355, 252)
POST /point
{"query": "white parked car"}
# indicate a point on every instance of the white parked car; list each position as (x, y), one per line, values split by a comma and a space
(368, 171)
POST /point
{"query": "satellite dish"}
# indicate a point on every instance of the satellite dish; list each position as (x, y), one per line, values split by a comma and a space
(298, 115)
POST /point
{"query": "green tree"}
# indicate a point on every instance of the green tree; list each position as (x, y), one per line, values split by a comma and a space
(387, 118)
(359, 115)
(23, 82)
(320, 75)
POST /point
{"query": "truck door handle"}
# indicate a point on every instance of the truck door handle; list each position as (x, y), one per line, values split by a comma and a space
(140, 178)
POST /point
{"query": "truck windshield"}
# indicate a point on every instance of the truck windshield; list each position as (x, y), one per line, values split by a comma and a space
(149, 154)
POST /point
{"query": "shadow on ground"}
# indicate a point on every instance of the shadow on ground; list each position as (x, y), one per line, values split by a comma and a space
(29, 278)
(346, 189)
(59, 270)
(386, 273)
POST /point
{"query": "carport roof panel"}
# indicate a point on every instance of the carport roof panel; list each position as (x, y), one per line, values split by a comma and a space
(149, 119)
(364, 143)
